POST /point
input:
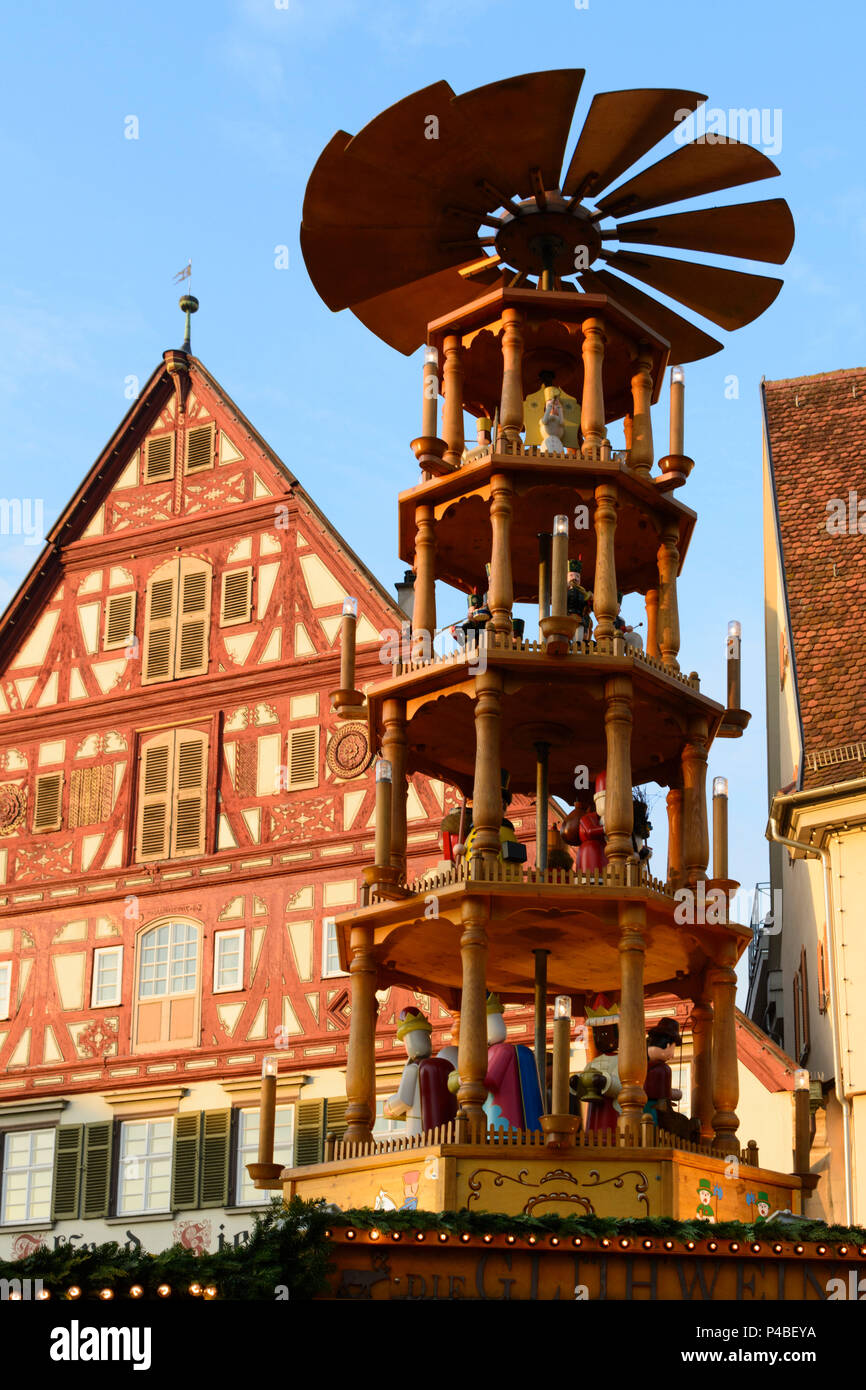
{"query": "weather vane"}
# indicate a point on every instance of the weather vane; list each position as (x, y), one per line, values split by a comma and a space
(188, 302)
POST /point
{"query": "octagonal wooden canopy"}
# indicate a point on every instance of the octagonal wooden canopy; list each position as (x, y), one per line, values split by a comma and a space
(552, 342)
(544, 486)
(578, 924)
(558, 700)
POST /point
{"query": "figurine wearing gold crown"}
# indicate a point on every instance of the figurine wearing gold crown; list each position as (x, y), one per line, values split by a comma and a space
(514, 1094)
(599, 1083)
(424, 1099)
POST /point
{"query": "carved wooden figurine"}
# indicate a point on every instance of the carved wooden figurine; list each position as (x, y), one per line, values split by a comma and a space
(423, 1099)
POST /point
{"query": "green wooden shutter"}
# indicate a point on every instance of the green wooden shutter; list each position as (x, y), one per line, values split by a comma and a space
(309, 1139)
(335, 1117)
(67, 1172)
(97, 1168)
(216, 1132)
(184, 1177)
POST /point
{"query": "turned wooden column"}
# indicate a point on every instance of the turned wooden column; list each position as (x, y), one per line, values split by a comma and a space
(487, 790)
(676, 866)
(394, 749)
(592, 404)
(500, 593)
(452, 411)
(361, 1056)
(669, 617)
(472, 1045)
(604, 584)
(632, 1025)
(618, 803)
(696, 834)
(652, 622)
(726, 1084)
(424, 612)
(511, 404)
(641, 454)
(702, 1066)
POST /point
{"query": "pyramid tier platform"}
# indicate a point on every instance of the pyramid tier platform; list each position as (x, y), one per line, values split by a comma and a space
(577, 918)
(543, 486)
(559, 700)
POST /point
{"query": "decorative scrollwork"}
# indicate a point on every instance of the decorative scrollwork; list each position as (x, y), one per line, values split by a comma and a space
(349, 753)
(13, 807)
(640, 1186)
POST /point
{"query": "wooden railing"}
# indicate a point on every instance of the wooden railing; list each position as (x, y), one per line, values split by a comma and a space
(462, 1131)
(603, 453)
(630, 875)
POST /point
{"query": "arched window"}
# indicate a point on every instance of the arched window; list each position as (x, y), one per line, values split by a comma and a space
(177, 620)
(168, 986)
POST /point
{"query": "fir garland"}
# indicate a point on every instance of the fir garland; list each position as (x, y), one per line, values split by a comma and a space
(290, 1248)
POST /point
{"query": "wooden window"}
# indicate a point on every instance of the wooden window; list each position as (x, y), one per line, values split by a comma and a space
(159, 458)
(187, 1155)
(96, 1178)
(119, 621)
(199, 449)
(228, 960)
(145, 1166)
(177, 620)
(28, 1170)
(67, 1173)
(172, 795)
(48, 801)
(167, 988)
(107, 981)
(248, 1149)
(237, 597)
(90, 794)
(315, 1119)
(5, 987)
(330, 948)
(215, 1158)
(303, 758)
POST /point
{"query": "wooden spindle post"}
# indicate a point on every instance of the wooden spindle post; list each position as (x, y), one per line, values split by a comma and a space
(652, 622)
(500, 595)
(641, 455)
(487, 790)
(604, 585)
(361, 1057)
(702, 1065)
(726, 1083)
(472, 1048)
(424, 612)
(632, 1026)
(676, 863)
(696, 837)
(618, 803)
(592, 405)
(394, 748)
(669, 617)
(511, 405)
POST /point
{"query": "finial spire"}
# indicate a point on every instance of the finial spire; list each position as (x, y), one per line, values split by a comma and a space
(189, 304)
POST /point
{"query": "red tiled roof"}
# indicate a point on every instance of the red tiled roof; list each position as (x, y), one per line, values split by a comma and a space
(816, 428)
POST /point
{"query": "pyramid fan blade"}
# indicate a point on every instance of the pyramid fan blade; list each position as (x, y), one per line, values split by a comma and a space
(346, 192)
(350, 264)
(401, 316)
(619, 129)
(688, 342)
(526, 121)
(728, 297)
(692, 170)
(754, 231)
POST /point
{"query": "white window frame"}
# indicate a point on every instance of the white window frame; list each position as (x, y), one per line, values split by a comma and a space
(128, 1165)
(101, 955)
(44, 1213)
(383, 1127)
(174, 957)
(329, 939)
(221, 940)
(248, 1151)
(5, 987)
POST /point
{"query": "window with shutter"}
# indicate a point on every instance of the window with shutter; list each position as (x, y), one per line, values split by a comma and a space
(199, 449)
(67, 1172)
(97, 1169)
(119, 620)
(90, 795)
(237, 595)
(303, 758)
(335, 1117)
(144, 1177)
(216, 1133)
(172, 797)
(309, 1143)
(159, 458)
(177, 620)
(48, 801)
(184, 1183)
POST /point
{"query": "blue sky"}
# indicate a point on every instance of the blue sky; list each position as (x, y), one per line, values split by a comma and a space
(234, 102)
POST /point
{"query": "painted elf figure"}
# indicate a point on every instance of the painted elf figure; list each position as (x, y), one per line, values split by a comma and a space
(424, 1099)
(704, 1210)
